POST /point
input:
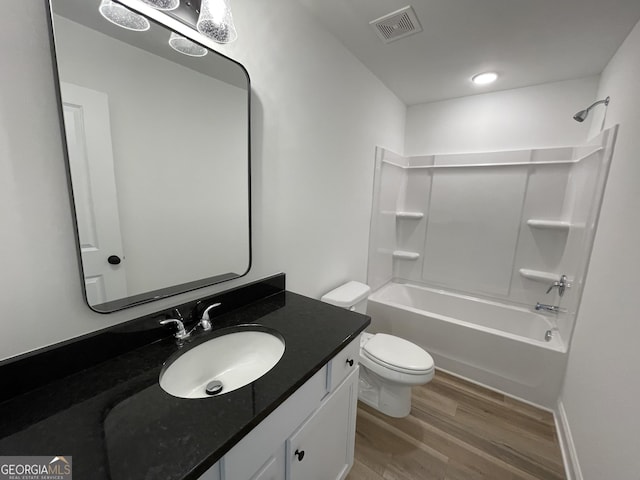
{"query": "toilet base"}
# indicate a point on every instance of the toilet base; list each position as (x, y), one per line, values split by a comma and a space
(389, 398)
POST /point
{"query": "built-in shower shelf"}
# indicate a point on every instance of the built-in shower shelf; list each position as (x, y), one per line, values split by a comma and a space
(538, 276)
(402, 255)
(411, 215)
(548, 224)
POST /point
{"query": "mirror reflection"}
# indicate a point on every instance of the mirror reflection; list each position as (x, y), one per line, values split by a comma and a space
(157, 130)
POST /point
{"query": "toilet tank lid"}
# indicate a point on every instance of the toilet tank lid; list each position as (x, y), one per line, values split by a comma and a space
(347, 295)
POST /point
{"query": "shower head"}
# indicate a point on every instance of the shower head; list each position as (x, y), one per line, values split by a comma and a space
(582, 114)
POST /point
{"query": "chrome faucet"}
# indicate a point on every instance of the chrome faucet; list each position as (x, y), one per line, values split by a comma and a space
(549, 308)
(561, 285)
(205, 321)
(182, 332)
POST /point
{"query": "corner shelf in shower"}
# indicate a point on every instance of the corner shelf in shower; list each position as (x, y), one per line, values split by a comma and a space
(410, 215)
(538, 276)
(548, 224)
(402, 255)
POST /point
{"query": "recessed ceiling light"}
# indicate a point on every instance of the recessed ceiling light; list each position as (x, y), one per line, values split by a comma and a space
(484, 78)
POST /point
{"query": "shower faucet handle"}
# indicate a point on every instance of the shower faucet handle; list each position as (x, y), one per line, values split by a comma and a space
(561, 285)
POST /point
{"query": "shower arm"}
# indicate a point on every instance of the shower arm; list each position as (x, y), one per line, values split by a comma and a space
(594, 104)
(583, 114)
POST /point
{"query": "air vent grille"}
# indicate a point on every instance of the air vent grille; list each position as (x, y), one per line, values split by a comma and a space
(397, 25)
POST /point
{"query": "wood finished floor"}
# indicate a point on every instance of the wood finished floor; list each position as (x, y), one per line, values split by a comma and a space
(457, 431)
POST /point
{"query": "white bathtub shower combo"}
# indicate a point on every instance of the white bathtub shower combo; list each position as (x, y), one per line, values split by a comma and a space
(463, 247)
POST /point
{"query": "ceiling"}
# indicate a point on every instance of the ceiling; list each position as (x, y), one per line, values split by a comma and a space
(527, 42)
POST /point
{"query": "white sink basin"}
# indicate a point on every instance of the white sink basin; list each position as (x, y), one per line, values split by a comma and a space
(235, 359)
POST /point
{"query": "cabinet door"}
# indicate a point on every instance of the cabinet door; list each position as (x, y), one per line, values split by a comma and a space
(322, 448)
(212, 474)
(273, 469)
(255, 450)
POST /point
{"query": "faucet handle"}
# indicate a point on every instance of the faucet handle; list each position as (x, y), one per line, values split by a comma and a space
(205, 314)
(181, 333)
(561, 285)
(553, 285)
(205, 320)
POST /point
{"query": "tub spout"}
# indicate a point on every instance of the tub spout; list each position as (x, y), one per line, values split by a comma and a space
(550, 308)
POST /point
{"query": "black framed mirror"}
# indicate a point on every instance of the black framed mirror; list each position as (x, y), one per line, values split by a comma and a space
(157, 141)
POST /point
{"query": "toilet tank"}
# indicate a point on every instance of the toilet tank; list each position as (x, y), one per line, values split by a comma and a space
(352, 295)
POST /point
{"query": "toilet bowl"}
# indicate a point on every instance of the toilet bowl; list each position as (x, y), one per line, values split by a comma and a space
(390, 365)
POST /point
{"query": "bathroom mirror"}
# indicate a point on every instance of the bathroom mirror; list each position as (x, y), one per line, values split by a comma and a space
(157, 147)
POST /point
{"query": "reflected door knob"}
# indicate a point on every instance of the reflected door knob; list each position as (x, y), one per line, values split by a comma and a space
(114, 260)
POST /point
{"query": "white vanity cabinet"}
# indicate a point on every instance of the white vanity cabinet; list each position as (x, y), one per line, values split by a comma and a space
(310, 436)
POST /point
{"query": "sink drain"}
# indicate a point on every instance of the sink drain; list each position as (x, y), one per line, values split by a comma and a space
(213, 387)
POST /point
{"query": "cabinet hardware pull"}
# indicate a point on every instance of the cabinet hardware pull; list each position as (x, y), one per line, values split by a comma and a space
(350, 361)
(299, 454)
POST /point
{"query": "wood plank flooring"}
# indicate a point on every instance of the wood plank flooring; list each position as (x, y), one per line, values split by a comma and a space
(457, 431)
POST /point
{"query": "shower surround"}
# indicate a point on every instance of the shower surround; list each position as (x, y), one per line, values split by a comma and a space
(463, 246)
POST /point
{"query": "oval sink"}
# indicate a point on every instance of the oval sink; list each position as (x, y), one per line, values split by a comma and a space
(234, 360)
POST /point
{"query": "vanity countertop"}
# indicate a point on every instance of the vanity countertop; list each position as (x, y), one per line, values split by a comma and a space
(117, 423)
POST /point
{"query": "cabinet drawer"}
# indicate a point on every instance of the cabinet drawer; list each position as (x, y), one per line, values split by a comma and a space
(345, 362)
(251, 453)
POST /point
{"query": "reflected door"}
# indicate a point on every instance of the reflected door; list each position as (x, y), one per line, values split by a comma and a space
(88, 131)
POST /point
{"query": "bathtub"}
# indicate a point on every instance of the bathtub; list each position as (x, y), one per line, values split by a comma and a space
(497, 345)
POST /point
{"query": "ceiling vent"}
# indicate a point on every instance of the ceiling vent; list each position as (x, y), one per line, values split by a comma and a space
(397, 25)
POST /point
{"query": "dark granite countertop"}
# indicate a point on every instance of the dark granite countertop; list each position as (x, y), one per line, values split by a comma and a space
(117, 423)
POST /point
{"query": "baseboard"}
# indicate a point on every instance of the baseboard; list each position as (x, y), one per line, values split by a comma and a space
(569, 453)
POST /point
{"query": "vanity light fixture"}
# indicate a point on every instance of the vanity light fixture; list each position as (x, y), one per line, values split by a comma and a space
(163, 4)
(484, 78)
(186, 46)
(216, 22)
(122, 16)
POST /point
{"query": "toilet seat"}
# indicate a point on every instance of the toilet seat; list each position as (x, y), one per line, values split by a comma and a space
(397, 354)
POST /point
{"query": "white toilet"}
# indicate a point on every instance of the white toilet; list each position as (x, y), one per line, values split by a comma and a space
(390, 365)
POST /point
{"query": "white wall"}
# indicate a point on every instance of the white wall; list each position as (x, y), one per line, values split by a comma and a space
(317, 116)
(601, 390)
(522, 118)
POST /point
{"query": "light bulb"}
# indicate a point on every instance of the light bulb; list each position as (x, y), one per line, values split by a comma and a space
(122, 16)
(163, 4)
(216, 22)
(186, 46)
